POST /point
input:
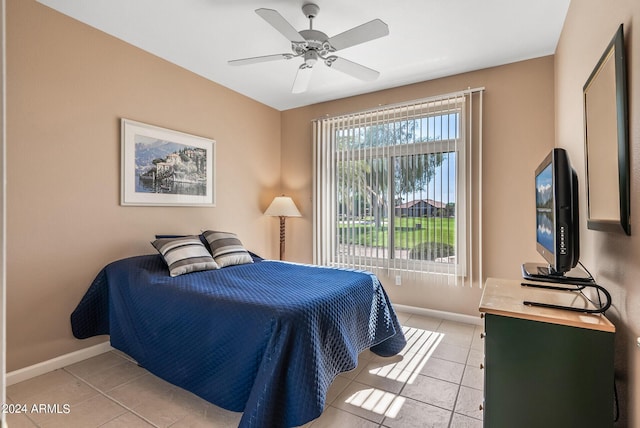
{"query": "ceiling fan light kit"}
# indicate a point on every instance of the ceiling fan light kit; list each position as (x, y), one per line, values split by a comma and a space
(313, 45)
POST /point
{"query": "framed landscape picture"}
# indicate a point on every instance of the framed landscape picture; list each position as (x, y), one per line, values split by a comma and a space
(162, 167)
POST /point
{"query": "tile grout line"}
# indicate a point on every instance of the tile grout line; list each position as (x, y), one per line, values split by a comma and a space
(106, 395)
(455, 403)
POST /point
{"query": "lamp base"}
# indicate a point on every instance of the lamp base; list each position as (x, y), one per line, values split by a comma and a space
(282, 219)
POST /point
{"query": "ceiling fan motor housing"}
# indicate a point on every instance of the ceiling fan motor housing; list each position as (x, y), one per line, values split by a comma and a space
(315, 40)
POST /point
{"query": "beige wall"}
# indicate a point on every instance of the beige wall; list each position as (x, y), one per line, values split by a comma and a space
(518, 132)
(68, 86)
(612, 258)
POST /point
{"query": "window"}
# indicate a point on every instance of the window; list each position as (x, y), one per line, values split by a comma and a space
(391, 188)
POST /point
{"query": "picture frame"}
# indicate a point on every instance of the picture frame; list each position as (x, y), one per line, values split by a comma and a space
(606, 138)
(163, 167)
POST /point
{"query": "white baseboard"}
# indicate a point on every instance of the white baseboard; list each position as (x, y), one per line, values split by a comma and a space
(56, 363)
(451, 316)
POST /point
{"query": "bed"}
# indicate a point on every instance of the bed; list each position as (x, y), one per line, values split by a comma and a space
(265, 338)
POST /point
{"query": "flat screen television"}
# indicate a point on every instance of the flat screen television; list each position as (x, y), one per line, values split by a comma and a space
(557, 219)
(558, 233)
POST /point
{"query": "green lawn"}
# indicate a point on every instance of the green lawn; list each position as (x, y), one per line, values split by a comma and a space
(409, 232)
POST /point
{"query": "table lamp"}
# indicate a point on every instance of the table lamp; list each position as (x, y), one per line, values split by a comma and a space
(283, 207)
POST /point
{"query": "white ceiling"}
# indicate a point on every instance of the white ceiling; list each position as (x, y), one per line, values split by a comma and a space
(428, 39)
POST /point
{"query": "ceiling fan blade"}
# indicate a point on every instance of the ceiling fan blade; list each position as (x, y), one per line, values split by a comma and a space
(363, 33)
(257, 59)
(301, 82)
(353, 69)
(279, 23)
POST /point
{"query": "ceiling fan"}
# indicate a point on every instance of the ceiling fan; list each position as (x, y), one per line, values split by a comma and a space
(313, 45)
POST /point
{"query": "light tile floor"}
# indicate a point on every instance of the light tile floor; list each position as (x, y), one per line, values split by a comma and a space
(435, 382)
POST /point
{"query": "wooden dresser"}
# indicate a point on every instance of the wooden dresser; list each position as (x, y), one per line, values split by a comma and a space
(545, 367)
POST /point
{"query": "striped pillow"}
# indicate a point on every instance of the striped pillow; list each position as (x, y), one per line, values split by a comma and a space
(226, 248)
(185, 254)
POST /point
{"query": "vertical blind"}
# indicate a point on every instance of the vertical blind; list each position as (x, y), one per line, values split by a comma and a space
(395, 189)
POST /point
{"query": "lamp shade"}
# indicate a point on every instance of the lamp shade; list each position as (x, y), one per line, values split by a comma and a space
(283, 206)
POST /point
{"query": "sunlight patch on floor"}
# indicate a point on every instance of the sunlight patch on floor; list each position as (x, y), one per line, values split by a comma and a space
(406, 366)
(403, 368)
(377, 401)
(420, 341)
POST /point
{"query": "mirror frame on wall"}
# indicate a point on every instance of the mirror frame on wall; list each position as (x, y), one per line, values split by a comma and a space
(606, 124)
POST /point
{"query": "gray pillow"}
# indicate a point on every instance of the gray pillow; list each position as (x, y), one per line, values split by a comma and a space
(184, 254)
(226, 248)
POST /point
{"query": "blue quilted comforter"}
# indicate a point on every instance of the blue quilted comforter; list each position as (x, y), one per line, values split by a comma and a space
(266, 339)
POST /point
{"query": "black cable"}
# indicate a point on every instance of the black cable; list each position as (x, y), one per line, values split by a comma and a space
(594, 281)
(602, 308)
(599, 305)
(586, 270)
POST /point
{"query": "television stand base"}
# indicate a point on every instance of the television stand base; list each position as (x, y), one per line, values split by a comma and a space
(577, 277)
(540, 272)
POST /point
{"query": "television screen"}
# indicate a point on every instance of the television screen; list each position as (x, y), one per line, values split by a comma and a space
(544, 208)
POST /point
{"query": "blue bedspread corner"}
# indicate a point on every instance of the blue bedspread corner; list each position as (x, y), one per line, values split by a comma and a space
(264, 338)
(91, 316)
